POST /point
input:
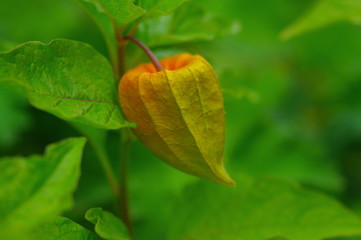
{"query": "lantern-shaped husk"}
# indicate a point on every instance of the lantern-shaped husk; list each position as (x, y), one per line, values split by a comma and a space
(179, 114)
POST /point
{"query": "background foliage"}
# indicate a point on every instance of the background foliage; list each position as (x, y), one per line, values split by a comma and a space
(290, 73)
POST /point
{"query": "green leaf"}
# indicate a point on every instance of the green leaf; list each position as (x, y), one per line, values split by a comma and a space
(324, 13)
(104, 24)
(156, 8)
(107, 225)
(65, 229)
(259, 209)
(67, 78)
(36, 189)
(188, 24)
(107, 13)
(121, 12)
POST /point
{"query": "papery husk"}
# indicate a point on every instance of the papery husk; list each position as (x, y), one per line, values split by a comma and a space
(179, 114)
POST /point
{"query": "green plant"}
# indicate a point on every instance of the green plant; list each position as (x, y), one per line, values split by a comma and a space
(75, 82)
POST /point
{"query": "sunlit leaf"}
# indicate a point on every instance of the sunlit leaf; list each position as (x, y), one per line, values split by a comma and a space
(324, 13)
(259, 209)
(66, 78)
(36, 189)
(107, 225)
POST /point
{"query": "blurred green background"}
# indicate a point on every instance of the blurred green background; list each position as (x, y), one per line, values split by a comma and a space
(293, 108)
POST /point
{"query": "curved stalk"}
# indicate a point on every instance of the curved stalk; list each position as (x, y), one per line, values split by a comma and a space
(147, 51)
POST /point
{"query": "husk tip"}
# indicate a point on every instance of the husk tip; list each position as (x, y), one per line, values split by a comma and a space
(224, 177)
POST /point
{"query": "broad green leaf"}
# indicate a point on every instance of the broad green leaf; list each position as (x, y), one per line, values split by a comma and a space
(324, 13)
(36, 189)
(65, 229)
(107, 14)
(259, 209)
(107, 225)
(156, 8)
(121, 12)
(67, 78)
(104, 24)
(189, 23)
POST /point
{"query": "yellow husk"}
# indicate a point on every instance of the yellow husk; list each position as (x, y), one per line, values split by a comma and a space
(179, 114)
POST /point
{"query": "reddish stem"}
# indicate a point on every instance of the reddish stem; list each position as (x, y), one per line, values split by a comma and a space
(149, 53)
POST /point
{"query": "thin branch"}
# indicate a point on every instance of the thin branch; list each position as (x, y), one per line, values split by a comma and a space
(125, 143)
(104, 161)
(121, 52)
(147, 51)
(107, 168)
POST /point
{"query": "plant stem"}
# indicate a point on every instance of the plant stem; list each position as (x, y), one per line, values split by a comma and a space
(97, 141)
(115, 65)
(121, 52)
(125, 143)
(147, 51)
(105, 163)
